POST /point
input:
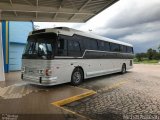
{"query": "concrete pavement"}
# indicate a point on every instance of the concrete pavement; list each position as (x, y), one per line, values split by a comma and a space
(36, 102)
(134, 95)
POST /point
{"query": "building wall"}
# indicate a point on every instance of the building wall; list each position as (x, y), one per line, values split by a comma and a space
(15, 55)
(18, 31)
(14, 40)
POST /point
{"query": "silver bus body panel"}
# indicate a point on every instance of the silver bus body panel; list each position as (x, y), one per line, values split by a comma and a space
(62, 69)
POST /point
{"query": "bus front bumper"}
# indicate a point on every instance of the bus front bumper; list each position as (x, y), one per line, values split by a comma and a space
(46, 81)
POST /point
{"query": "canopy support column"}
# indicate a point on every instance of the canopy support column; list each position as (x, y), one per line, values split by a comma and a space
(2, 76)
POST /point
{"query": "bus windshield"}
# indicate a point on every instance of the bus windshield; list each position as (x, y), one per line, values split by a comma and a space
(40, 46)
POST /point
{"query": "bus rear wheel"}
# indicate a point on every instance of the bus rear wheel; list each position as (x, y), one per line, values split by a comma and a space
(123, 70)
(77, 76)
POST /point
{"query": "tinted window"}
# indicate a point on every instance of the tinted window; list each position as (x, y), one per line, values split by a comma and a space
(73, 45)
(62, 47)
(40, 46)
(90, 44)
(123, 48)
(74, 48)
(104, 46)
(115, 47)
(81, 40)
(129, 50)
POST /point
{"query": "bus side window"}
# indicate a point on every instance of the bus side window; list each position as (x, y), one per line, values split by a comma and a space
(81, 42)
(132, 50)
(123, 48)
(103, 46)
(115, 47)
(62, 47)
(74, 48)
(129, 50)
(90, 44)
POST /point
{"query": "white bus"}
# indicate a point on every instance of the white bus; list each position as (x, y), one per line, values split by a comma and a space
(60, 55)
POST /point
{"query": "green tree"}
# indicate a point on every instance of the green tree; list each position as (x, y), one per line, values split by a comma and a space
(157, 56)
(150, 53)
(140, 56)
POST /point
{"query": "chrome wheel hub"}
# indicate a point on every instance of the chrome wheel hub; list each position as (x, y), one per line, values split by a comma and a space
(77, 77)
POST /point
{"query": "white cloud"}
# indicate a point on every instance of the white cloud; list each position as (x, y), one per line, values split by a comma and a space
(142, 37)
(134, 21)
(121, 32)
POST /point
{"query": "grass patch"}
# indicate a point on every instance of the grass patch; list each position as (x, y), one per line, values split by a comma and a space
(146, 61)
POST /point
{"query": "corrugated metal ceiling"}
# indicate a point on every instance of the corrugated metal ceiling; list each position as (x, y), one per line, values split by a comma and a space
(52, 10)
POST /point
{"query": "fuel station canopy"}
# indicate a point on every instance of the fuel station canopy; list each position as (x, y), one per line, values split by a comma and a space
(52, 10)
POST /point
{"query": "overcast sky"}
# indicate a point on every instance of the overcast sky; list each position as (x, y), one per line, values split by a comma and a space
(132, 21)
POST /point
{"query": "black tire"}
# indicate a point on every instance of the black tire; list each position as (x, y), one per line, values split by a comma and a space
(77, 76)
(123, 70)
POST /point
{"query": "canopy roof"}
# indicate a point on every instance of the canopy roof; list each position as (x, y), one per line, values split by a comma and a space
(52, 10)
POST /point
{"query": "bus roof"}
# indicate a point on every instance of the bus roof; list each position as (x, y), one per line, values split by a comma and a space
(70, 32)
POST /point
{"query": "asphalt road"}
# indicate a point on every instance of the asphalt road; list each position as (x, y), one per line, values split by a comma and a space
(134, 95)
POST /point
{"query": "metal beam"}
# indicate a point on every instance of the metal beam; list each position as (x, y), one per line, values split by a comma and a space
(12, 5)
(84, 5)
(81, 8)
(28, 2)
(39, 19)
(107, 5)
(28, 8)
(37, 8)
(60, 6)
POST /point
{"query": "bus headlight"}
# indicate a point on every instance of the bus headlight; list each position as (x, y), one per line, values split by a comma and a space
(23, 69)
(48, 72)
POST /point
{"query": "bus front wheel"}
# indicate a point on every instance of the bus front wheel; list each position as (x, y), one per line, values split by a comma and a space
(77, 76)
